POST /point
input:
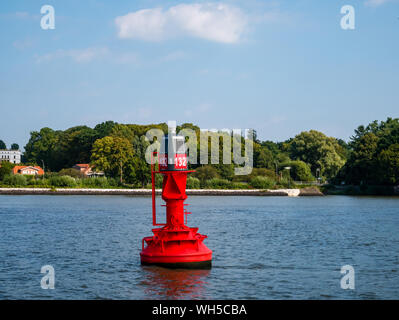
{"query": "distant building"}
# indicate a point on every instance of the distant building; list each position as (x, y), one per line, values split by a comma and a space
(28, 170)
(13, 156)
(87, 170)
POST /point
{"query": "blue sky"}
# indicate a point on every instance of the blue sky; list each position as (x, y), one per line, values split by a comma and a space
(278, 66)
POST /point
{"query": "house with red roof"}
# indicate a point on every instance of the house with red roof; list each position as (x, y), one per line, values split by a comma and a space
(87, 170)
(28, 170)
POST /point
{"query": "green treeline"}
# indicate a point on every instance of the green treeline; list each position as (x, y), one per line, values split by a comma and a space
(371, 157)
(374, 155)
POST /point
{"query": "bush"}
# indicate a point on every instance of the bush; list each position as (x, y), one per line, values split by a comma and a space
(256, 172)
(15, 180)
(98, 182)
(62, 181)
(113, 182)
(5, 169)
(217, 183)
(95, 182)
(74, 173)
(260, 182)
(30, 179)
(49, 174)
(40, 182)
(205, 172)
(33, 180)
(285, 182)
(193, 183)
(300, 171)
(225, 171)
(263, 172)
(239, 185)
(158, 180)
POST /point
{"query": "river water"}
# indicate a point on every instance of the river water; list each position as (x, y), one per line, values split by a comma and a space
(263, 248)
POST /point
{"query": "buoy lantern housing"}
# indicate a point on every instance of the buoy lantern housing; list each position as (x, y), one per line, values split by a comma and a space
(174, 245)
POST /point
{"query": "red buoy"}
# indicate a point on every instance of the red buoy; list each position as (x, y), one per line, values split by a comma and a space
(174, 245)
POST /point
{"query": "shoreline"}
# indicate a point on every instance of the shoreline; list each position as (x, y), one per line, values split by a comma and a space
(147, 192)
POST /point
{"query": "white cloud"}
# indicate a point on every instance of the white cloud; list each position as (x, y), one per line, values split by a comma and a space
(21, 14)
(375, 3)
(22, 44)
(90, 54)
(24, 15)
(77, 55)
(211, 21)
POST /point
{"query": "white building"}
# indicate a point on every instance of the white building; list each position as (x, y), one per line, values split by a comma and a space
(13, 156)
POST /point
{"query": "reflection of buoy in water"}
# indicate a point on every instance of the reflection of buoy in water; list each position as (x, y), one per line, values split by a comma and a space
(174, 245)
(175, 284)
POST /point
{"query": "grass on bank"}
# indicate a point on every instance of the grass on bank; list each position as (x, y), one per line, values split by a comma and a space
(55, 181)
(64, 181)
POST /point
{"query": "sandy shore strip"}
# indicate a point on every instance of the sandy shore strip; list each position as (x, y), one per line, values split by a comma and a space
(147, 192)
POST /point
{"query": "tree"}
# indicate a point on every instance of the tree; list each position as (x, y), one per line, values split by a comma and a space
(389, 165)
(122, 131)
(343, 149)
(141, 130)
(75, 146)
(14, 146)
(43, 146)
(299, 171)
(5, 169)
(254, 134)
(2, 145)
(111, 154)
(363, 160)
(104, 129)
(137, 170)
(142, 170)
(187, 126)
(373, 151)
(317, 150)
(263, 157)
(275, 148)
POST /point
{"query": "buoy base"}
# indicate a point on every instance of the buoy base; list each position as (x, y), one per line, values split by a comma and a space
(181, 265)
(180, 247)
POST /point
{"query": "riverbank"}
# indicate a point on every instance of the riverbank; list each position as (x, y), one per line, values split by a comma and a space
(364, 190)
(147, 192)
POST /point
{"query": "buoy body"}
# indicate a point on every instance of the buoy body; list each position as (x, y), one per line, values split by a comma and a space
(174, 245)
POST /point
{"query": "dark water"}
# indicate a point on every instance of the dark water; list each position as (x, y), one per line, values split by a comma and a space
(264, 248)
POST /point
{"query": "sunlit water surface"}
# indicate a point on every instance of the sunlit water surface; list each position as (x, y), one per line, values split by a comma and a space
(263, 248)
